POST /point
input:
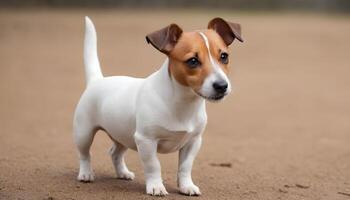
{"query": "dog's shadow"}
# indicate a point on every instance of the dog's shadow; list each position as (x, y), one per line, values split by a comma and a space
(109, 184)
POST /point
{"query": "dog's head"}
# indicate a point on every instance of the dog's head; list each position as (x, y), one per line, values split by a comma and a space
(200, 59)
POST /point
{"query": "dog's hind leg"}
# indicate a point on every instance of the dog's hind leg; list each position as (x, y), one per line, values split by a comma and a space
(117, 153)
(84, 135)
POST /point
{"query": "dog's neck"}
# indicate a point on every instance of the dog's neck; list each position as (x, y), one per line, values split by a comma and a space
(178, 92)
(180, 98)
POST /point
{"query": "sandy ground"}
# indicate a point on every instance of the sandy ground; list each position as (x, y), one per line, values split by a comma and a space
(285, 131)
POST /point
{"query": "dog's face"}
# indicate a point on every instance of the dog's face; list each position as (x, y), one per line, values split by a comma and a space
(199, 60)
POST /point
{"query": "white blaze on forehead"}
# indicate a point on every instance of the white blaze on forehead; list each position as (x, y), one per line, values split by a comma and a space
(217, 71)
(207, 45)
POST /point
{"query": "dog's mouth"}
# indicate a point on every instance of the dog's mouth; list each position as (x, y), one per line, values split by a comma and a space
(213, 98)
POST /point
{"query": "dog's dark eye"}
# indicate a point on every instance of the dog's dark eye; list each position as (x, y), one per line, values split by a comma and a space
(224, 58)
(193, 62)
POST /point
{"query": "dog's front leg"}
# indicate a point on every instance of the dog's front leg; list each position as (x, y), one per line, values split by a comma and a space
(186, 157)
(147, 149)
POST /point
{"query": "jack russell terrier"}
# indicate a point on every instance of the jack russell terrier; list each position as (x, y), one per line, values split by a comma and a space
(162, 113)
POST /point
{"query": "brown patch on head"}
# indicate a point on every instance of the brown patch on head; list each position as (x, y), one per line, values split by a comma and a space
(217, 47)
(192, 44)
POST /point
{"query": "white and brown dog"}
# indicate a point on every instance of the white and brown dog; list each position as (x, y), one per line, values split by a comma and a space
(164, 112)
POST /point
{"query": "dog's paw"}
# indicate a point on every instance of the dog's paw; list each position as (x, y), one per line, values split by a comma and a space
(156, 189)
(190, 190)
(86, 176)
(126, 175)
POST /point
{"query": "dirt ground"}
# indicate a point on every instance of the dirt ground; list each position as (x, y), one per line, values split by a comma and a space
(285, 132)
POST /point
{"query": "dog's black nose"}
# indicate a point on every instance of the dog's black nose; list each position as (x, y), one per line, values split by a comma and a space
(220, 86)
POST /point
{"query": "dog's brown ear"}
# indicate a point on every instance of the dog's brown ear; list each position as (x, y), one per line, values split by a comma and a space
(166, 38)
(227, 30)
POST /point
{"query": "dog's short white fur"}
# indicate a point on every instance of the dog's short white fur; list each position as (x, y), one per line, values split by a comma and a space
(150, 115)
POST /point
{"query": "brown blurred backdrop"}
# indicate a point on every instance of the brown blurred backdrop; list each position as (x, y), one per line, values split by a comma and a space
(316, 5)
(284, 133)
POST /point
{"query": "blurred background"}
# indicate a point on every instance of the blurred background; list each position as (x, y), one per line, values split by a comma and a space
(314, 5)
(283, 134)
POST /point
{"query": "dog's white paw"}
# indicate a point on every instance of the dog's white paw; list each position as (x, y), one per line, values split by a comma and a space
(190, 190)
(126, 175)
(86, 176)
(156, 189)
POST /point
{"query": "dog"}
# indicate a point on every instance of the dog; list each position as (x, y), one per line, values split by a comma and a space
(163, 113)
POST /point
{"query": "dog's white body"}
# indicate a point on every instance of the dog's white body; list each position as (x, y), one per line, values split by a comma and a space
(156, 107)
(148, 115)
(155, 114)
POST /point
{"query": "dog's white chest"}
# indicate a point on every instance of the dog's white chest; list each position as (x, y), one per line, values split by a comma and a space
(172, 140)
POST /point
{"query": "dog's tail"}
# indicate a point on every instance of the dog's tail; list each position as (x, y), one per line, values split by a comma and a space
(92, 64)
